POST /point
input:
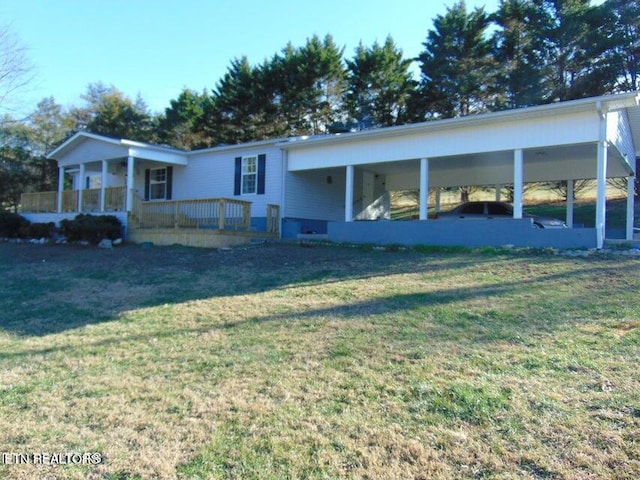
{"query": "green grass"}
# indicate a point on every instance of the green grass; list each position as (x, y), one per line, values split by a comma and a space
(320, 362)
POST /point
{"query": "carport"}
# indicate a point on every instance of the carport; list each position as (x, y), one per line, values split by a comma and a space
(594, 138)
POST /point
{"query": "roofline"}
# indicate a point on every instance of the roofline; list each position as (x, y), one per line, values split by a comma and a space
(606, 102)
(59, 150)
(237, 146)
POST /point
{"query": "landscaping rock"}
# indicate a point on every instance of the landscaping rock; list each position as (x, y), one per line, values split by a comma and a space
(105, 243)
(117, 242)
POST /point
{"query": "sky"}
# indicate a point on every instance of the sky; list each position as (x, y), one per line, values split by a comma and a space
(156, 48)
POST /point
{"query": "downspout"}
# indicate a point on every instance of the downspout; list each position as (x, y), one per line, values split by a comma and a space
(283, 187)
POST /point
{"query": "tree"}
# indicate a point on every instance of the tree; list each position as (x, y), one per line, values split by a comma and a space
(239, 108)
(110, 112)
(183, 124)
(380, 85)
(577, 49)
(457, 65)
(624, 20)
(15, 70)
(309, 85)
(15, 175)
(520, 54)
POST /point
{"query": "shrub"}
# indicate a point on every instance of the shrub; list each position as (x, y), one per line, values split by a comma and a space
(38, 230)
(91, 228)
(11, 224)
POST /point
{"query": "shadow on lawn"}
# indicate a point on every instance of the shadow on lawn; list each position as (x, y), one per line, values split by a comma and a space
(53, 289)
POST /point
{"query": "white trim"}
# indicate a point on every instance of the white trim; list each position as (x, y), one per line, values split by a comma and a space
(601, 180)
(81, 186)
(60, 187)
(103, 186)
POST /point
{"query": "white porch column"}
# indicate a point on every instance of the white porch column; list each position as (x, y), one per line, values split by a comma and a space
(424, 188)
(438, 199)
(60, 188)
(103, 182)
(81, 186)
(630, 206)
(348, 195)
(601, 193)
(570, 195)
(518, 182)
(130, 182)
(498, 193)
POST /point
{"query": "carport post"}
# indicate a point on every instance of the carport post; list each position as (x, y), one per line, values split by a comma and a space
(424, 188)
(601, 194)
(498, 193)
(348, 195)
(631, 181)
(438, 199)
(518, 180)
(570, 193)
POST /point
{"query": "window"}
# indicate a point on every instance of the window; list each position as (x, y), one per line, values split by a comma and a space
(249, 174)
(158, 184)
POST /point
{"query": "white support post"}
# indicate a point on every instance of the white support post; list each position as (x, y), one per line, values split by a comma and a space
(570, 195)
(348, 195)
(60, 188)
(498, 193)
(601, 179)
(630, 206)
(130, 182)
(103, 186)
(518, 182)
(424, 188)
(81, 186)
(601, 194)
(438, 199)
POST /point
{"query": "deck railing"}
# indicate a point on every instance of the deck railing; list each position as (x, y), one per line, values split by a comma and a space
(273, 219)
(47, 202)
(219, 213)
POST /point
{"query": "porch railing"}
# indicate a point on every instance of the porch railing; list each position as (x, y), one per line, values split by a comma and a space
(47, 202)
(218, 213)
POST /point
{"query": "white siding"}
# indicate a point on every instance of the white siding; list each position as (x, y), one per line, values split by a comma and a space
(92, 150)
(211, 175)
(619, 134)
(459, 140)
(309, 194)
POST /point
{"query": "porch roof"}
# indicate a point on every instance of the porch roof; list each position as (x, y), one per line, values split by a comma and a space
(85, 147)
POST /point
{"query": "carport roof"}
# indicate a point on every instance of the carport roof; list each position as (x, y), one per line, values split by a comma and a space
(629, 101)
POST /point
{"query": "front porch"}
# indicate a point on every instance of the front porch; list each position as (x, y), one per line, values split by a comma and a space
(92, 200)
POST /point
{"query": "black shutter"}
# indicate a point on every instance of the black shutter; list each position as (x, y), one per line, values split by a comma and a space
(169, 182)
(147, 183)
(237, 183)
(262, 160)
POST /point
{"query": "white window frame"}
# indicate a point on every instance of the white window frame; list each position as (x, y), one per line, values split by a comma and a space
(249, 170)
(153, 181)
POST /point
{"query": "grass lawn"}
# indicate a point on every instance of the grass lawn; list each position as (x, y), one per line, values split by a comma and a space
(323, 362)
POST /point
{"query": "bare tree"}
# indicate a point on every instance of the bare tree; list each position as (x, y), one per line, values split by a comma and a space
(15, 69)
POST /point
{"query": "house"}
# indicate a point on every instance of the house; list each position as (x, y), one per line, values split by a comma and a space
(339, 185)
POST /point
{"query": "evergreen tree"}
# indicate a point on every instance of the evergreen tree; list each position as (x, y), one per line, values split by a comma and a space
(183, 124)
(624, 20)
(380, 85)
(457, 65)
(520, 54)
(110, 112)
